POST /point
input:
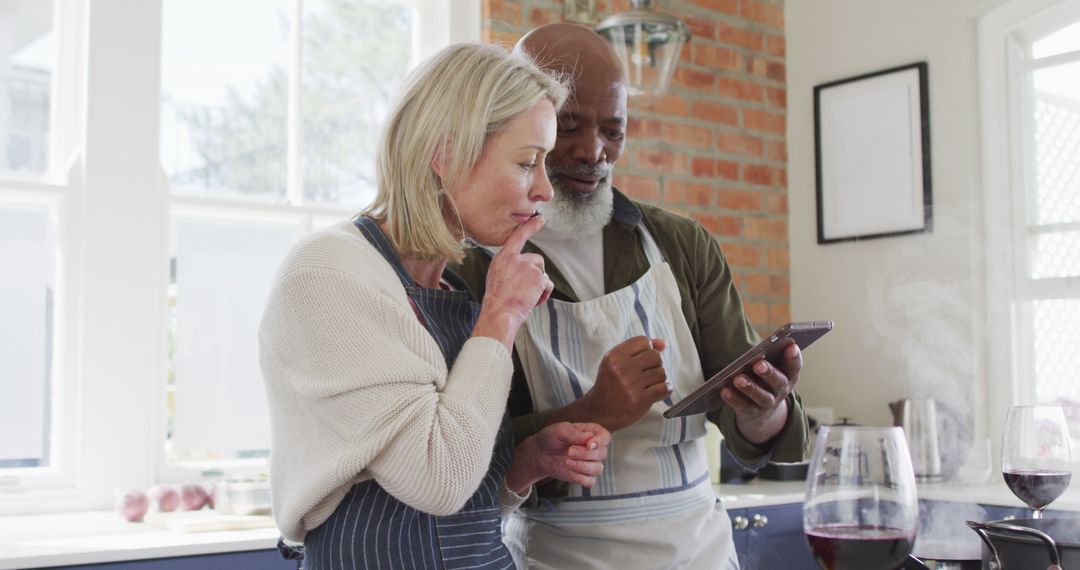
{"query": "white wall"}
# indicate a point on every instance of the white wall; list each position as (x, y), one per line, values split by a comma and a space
(908, 309)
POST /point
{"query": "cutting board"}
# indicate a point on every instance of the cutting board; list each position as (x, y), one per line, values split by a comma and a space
(206, 520)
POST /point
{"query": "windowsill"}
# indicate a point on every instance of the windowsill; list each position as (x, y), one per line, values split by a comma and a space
(38, 541)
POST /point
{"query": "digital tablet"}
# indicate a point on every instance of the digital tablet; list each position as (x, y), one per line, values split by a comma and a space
(707, 398)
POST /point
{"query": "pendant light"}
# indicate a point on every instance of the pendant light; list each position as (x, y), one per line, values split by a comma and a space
(648, 45)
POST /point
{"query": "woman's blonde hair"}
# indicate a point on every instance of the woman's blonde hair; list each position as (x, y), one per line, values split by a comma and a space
(449, 106)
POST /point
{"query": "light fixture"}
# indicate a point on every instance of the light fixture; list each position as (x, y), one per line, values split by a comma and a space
(648, 45)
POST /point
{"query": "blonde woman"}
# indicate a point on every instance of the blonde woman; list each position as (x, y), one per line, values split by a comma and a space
(387, 383)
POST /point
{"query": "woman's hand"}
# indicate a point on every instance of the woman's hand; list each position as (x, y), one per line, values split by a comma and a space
(571, 452)
(516, 282)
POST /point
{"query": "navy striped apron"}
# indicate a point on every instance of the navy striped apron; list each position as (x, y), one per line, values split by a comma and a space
(372, 529)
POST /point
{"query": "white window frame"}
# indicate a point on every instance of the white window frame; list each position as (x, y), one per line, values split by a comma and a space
(1007, 175)
(57, 190)
(115, 213)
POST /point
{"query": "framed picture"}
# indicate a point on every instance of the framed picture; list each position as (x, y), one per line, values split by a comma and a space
(872, 147)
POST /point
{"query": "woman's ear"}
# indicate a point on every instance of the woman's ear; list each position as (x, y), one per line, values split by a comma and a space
(439, 160)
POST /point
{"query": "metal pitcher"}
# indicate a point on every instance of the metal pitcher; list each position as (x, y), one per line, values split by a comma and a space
(918, 417)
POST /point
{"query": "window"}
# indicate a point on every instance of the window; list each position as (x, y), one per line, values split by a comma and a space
(1031, 86)
(262, 140)
(35, 432)
(157, 160)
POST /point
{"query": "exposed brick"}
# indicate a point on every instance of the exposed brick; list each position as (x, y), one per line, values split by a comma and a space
(766, 229)
(778, 258)
(508, 13)
(757, 120)
(776, 204)
(776, 71)
(638, 187)
(690, 135)
(717, 225)
(703, 167)
(777, 46)
(687, 193)
(779, 313)
(717, 57)
(638, 129)
(739, 143)
(726, 6)
(505, 39)
(667, 104)
(742, 255)
(739, 89)
(700, 28)
(758, 284)
(728, 170)
(776, 150)
(694, 79)
(715, 113)
(760, 174)
(746, 200)
(756, 311)
(539, 17)
(768, 14)
(776, 96)
(741, 37)
(779, 285)
(660, 160)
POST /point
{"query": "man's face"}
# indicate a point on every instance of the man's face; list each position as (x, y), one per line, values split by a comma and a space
(591, 135)
(589, 140)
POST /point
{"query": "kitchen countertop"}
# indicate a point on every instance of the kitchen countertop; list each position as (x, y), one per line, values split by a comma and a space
(36, 541)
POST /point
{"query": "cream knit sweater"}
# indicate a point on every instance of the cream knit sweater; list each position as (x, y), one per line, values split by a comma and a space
(359, 390)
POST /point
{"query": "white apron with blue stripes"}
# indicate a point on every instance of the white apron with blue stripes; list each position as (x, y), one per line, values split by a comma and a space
(371, 529)
(653, 506)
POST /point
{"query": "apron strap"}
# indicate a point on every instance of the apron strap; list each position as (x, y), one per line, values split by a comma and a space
(371, 231)
(652, 252)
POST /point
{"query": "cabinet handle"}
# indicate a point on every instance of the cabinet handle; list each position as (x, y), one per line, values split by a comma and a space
(760, 521)
(740, 523)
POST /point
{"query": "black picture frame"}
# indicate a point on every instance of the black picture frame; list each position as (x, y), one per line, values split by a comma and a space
(872, 155)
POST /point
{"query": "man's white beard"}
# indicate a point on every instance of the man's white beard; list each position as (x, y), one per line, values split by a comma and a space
(571, 214)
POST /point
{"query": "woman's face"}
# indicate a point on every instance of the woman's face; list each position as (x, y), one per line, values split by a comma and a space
(509, 180)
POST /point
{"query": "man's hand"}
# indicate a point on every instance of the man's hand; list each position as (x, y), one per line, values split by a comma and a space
(571, 452)
(760, 403)
(630, 379)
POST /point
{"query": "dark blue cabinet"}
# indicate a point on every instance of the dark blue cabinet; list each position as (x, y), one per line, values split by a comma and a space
(251, 560)
(771, 537)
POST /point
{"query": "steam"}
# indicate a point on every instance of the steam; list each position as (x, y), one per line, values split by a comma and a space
(922, 313)
(943, 534)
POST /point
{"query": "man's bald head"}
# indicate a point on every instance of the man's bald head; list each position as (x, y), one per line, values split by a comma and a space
(572, 50)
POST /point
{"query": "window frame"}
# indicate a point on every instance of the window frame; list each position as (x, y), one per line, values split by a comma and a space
(111, 354)
(1006, 97)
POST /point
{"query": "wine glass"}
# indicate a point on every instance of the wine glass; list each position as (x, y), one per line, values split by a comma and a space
(1035, 455)
(861, 509)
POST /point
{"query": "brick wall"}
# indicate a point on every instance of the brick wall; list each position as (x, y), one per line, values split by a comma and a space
(714, 147)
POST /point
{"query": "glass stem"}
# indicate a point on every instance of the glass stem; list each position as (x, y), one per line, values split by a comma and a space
(1037, 513)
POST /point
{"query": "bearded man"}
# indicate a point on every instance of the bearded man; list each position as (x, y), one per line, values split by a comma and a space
(644, 309)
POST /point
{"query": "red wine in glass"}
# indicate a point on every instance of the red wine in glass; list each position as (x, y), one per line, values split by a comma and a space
(861, 547)
(1037, 487)
(1035, 455)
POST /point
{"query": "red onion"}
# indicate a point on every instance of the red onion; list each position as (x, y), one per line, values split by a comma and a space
(193, 497)
(132, 505)
(165, 497)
